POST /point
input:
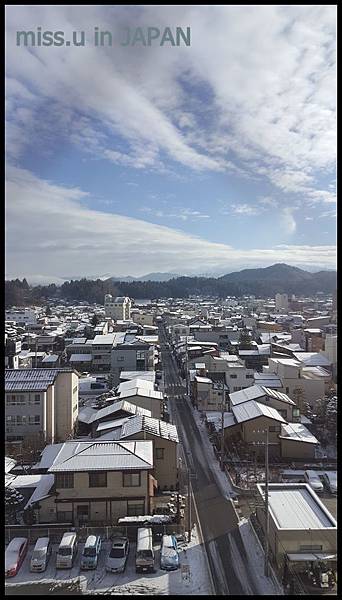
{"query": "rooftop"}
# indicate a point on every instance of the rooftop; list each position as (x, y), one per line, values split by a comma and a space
(296, 506)
(252, 410)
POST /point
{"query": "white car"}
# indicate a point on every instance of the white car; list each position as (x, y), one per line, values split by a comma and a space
(330, 480)
(117, 558)
(313, 480)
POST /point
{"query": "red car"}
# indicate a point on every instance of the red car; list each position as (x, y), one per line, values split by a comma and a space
(14, 556)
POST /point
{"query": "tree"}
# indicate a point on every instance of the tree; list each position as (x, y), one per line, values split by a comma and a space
(13, 500)
(94, 320)
(245, 340)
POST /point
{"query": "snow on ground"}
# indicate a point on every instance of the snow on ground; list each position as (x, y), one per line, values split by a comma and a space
(192, 577)
(221, 477)
(267, 585)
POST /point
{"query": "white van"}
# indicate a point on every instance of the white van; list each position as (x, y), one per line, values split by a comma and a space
(67, 551)
(144, 557)
(41, 554)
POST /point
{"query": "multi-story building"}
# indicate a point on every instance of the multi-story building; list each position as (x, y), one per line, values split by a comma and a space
(42, 403)
(118, 308)
(101, 350)
(22, 316)
(281, 302)
(130, 353)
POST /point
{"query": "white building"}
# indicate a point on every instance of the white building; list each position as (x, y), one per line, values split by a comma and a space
(22, 316)
(118, 308)
(281, 302)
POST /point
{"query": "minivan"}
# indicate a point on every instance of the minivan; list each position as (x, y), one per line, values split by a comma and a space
(144, 557)
(40, 555)
(91, 551)
(67, 551)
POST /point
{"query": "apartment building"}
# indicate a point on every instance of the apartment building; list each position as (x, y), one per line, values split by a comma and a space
(42, 403)
(101, 352)
(132, 353)
(118, 308)
(22, 316)
(281, 302)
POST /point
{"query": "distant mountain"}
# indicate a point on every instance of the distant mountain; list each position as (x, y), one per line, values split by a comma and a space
(148, 277)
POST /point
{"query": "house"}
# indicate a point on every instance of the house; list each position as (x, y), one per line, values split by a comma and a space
(296, 441)
(89, 418)
(101, 352)
(210, 391)
(165, 444)
(132, 353)
(99, 482)
(301, 529)
(42, 403)
(281, 402)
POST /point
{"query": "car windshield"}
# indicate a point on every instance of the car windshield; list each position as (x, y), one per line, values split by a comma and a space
(38, 553)
(145, 554)
(117, 553)
(89, 552)
(64, 551)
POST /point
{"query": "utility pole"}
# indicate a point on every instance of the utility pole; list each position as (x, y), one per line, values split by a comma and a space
(186, 366)
(189, 506)
(266, 508)
(222, 438)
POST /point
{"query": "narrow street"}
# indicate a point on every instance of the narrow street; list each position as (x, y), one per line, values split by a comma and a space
(225, 550)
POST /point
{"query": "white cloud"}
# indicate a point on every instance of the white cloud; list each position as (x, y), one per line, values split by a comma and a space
(288, 222)
(267, 76)
(50, 233)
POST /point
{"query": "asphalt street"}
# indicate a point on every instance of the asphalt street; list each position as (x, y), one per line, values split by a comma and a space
(226, 553)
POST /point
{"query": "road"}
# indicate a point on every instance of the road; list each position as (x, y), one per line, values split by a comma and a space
(226, 553)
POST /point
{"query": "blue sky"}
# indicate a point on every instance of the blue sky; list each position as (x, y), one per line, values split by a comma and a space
(201, 159)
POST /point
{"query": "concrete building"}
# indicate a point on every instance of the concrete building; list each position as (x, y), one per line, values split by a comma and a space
(281, 302)
(42, 403)
(118, 308)
(101, 352)
(22, 316)
(301, 529)
(132, 353)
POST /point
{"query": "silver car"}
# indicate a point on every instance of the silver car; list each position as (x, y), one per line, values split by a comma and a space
(330, 480)
(169, 557)
(117, 558)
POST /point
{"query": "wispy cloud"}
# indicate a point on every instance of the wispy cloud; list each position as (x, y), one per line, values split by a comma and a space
(76, 239)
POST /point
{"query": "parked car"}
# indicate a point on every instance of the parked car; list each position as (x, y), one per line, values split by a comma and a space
(169, 557)
(41, 554)
(14, 556)
(144, 558)
(117, 558)
(91, 552)
(330, 481)
(313, 480)
(67, 551)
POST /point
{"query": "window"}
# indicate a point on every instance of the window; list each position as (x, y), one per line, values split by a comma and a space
(98, 479)
(132, 479)
(34, 419)
(135, 508)
(249, 376)
(120, 358)
(75, 389)
(64, 516)
(295, 412)
(160, 453)
(64, 480)
(237, 388)
(233, 376)
(287, 390)
(140, 354)
(37, 398)
(274, 428)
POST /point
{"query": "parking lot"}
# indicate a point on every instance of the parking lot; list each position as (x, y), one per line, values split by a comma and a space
(191, 578)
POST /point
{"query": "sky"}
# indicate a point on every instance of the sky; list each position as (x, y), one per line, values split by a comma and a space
(200, 159)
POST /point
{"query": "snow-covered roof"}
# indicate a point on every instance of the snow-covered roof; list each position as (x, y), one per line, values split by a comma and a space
(142, 391)
(268, 379)
(316, 359)
(120, 405)
(135, 383)
(296, 506)
(106, 456)
(215, 417)
(150, 425)
(42, 489)
(297, 432)
(252, 410)
(50, 358)
(202, 379)
(48, 456)
(29, 379)
(107, 339)
(116, 424)
(9, 464)
(127, 375)
(257, 391)
(81, 358)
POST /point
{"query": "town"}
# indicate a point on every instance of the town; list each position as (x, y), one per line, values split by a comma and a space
(207, 423)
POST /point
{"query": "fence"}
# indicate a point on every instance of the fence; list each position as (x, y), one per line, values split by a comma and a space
(55, 532)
